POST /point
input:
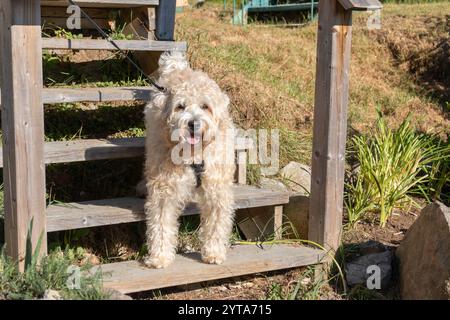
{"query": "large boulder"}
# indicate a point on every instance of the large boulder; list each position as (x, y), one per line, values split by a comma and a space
(297, 177)
(424, 255)
(272, 184)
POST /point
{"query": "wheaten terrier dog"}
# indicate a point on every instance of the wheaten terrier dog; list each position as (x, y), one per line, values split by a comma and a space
(188, 159)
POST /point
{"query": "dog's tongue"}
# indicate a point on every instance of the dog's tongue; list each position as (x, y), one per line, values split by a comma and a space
(193, 140)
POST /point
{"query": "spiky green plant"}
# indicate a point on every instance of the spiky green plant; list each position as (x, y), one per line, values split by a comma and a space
(394, 163)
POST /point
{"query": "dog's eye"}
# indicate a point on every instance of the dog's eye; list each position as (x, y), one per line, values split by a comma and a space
(180, 107)
(206, 107)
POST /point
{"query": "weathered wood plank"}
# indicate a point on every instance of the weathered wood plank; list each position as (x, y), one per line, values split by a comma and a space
(92, 149)
(101, 44)
(132, 276)
(101, 3)
(242, 166)
(330, 123)
(61, 12)
(22, 124)
(361, 5)
(63, 95)
(125, 210)
(278, 221)
(165, 20)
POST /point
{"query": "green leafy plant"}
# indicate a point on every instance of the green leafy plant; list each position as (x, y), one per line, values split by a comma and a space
(62, 33)
(48, 272)
(394, 163)
(118, 33)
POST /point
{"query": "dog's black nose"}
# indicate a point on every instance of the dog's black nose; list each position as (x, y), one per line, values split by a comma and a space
(191, 125)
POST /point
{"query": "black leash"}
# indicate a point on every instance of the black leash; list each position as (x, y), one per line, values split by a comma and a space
(108, 38)
(199, 169)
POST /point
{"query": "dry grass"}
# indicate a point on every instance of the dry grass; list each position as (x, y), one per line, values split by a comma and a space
(269, 74)
(269, 71)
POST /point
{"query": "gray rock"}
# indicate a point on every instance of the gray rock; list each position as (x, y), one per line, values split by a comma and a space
(272, 184)
(298, 177)
(424, 255)
(371, 246)
(357, 271)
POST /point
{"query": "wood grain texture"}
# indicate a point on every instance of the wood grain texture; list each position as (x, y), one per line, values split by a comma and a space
(22, 124)
(278, 221)
(101, 3)
(101, 44)
(242, 167)
(165, 20)
(124, 210)
(63, 95)
(361, 5)
(330, 123)
(61, 12)
(91, 149)
(132, 276)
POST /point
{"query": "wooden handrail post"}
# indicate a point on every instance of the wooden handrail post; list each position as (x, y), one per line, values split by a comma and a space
(165, 20)
(330, 123)
(23, 124)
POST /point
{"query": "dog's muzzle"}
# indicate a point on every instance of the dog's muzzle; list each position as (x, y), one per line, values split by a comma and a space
(195, 132)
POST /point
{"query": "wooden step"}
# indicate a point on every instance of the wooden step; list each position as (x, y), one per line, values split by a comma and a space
(101, 3)
(65, 95)
(133, 276)
(124, 210)
(102, 44)
(97, 149)
(90, 149)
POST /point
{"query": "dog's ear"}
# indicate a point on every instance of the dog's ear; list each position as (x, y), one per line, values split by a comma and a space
(226, 101)
(158, 102)
(172, 61)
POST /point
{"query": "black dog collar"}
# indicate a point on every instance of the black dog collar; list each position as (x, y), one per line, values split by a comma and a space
(199, 169)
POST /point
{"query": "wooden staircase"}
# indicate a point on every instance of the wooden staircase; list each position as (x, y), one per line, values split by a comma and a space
(125, 276)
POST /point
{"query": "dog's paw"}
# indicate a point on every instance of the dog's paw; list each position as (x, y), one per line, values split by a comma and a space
(214, 256)
(158, 262)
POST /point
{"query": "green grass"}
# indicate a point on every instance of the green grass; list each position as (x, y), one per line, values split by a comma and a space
(393, 165)
(54, 271)
(50, 273)
(114, 71)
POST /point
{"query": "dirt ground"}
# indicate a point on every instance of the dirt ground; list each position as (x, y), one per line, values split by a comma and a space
(277, 285)
(388, 70)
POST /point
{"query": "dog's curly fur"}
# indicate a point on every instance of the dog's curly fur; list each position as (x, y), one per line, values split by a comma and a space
(190, 96)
